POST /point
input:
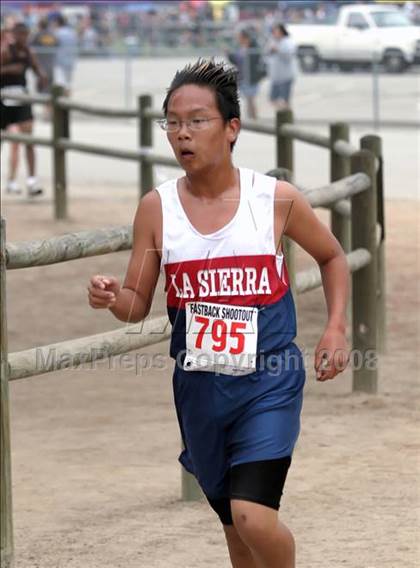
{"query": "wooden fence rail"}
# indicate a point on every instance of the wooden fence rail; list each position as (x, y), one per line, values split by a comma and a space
(284, 131)
(101, 241)
(71, 246)
(76, 352)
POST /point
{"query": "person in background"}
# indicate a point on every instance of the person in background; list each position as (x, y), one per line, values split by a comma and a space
(16, 58)
(66, 54)
(44, 44)
(282, 68)
(89, 38)
(247, 59)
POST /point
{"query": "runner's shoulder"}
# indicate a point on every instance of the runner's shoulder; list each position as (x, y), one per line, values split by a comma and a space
(149, 211)
(150, 202)
(285, 190)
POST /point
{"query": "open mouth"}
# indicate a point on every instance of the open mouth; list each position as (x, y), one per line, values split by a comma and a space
(187, 154)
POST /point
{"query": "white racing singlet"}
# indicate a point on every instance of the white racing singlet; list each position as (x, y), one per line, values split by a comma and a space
(228, 295)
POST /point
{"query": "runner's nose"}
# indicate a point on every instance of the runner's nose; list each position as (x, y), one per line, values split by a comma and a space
(184, 132)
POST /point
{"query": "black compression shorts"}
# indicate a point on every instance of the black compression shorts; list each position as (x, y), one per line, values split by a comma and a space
(259, 482)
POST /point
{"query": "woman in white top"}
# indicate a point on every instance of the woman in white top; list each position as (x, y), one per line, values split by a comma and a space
(281, 52)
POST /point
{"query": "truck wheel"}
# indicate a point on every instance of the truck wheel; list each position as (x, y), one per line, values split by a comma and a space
(394, 62)
(309, 60)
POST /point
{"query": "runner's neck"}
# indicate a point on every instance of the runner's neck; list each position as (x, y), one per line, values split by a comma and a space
(213, 183)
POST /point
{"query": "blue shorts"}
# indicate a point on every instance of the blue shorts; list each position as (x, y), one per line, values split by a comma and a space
(281, 91)
(247, 90)
(227, 420)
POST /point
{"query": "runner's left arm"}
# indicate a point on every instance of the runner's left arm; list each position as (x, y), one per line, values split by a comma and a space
(299, 222)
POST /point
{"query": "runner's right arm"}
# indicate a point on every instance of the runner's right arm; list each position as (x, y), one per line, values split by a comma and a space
(132, 301)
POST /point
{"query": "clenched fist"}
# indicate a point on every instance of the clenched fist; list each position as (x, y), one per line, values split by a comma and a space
(103, 291)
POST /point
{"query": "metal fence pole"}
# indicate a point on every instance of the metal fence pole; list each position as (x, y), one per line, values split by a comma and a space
(144, 103)
(128, 80)
(363, 218)
(61, 129)
(6, 505)
(376, 57)
(374, 144)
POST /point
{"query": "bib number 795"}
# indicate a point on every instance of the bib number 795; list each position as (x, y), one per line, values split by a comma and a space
(220, 332)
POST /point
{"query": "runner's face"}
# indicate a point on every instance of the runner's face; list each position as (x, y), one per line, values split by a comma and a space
(198, 149)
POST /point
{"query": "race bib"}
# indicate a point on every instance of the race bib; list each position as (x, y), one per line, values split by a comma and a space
(13, 90)
(221, 338)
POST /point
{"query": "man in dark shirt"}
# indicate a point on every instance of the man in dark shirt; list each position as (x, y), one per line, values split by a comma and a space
(16, 58)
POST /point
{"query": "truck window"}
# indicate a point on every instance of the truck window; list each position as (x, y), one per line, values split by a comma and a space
(357, 20)
(390, 19)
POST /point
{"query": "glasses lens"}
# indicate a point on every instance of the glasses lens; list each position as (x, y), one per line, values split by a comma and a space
(199, 124)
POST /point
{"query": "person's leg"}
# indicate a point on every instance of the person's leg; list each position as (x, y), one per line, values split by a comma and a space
(8, 117)
(68, 75)
(284, 91)
(288, 93)
(32, 183)
(280, 104)
(14, 156)
(27, 128)
(271, 543)
(239, 553)
(276, 97)
(269, 427)
(279, 95)
(251, 107)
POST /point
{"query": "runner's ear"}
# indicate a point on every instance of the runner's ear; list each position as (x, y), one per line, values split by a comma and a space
(234, 126)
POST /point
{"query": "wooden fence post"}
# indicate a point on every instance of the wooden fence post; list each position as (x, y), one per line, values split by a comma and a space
(339, 169)
(61, 129)
(374, 144)
(285, 160)
(284, 144)
(287, 244)
(144, 102)
(6, 507)
(363, 220)
(190, 489)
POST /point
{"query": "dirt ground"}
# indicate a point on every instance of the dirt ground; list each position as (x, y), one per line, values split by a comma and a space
(96, 482)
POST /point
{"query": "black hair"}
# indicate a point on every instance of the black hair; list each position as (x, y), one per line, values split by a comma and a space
(282, 28)
(246, 33)
(61, 20)
(43, 24)
(249, 34)
(222, 79)
(20, 27)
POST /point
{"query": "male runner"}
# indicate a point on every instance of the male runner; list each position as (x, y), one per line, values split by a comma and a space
(238, 378)
(16, 58)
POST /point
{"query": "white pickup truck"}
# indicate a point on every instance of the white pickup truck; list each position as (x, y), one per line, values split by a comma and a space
(359, 34)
